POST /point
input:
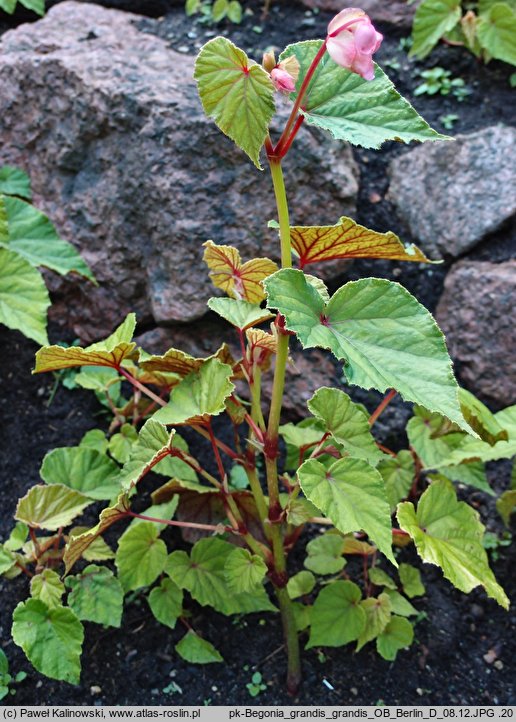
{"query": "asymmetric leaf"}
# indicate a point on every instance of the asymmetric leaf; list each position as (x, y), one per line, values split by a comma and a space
(387, 339)
(398, 634)
(337, 615)
(381, 579)
(242, 281)
(378, 615)
(410, 578)
(166, 602)
(352, 495)
(244, 571)
(47, 587)
(51, 639)
(300, 584)
(241, 314)
(141, 556)
(400, 605)
(346, 422)
(362, 112)
(154, 444)
(449, 533)
(24, 297)
(82, 469)
(196, 650)
(496, 32)
(121, 444)
(96, 596)
(200, 395)
(50, 507)
(348, 239)
(237, 93)
(433, 19)
(324, 554)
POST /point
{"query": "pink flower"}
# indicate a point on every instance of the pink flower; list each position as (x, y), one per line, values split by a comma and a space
(352, 40)
(282, 80)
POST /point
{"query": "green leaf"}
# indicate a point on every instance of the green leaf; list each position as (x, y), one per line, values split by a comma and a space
(51, 639)
(32, 236)
(82, 469)
(154, 444)
(400, 605)
(362, 112)
(17, 537)
(410, 579)
(237, 93)
(97, 551)
(47, 587)
(173, 467)
(14, 182)
(506, 504)
(8, 5)
(37, 6)
(496, 32)
(398, 474)
(481, 419)
(387, 339)
(199, 395)
(378, 616)
(433, 19)
(325, 554)
(346, 422)
(50, 507)
(244, 571)
(235, 11)
(300, 584)
(381, 579)
(300, 437)
(219, 10)
(352, 495)
(96, 596)
(240, 314)
(95, 439)
(398, 634)
(141, 556)
(196, 650)
(337, 615)
(7, 559)
(24, 297)
(166, 602)
(121, 444)
(449, 533)
(203, 574)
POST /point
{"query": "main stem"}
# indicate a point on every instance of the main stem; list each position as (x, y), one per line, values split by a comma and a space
(280, 577)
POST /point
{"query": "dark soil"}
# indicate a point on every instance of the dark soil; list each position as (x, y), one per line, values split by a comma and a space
(136, 665)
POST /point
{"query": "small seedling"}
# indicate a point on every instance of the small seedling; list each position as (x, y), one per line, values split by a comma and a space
(439, 80)
(449, 120)
(256, 686)
(6, 680)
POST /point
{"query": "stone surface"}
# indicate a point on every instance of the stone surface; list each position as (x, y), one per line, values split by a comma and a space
(452, 195)
(476, 313)
(107, 121)
(391, 12)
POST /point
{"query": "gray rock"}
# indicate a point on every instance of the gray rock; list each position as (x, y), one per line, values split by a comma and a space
(107, 121)
(392, 12)
(452, 195)
(476, 313)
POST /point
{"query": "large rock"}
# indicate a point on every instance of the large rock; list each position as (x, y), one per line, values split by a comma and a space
(453, 195)
(476, 313)
(107, 121)
(391, 12)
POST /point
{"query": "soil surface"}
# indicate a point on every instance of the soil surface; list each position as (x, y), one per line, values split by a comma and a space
(138, 664)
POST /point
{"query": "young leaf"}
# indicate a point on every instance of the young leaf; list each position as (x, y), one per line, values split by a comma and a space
(121, 444)
(496, 31)
(240, 314)
(78, 545)
(410, 579)
(17, 537)
(141, 556)
(352, 495)
(48, 588)
(449, 533)
(398, 634)
(242, 281)
(400, 605)
(51, 639)
(96, 596)
(200, 395)
(481, 419)
(348, 239)
(110, 352)
(300, 584)
(32, 236)
(244, 571)
(154, 444)
(203, 575)
(15, 182)
(433, 19)
(378, 616)
(7, 559)
(237, 93)
(166, 602)
(95, 439)
(363, 112)
(196, 650)
(50, 507)
(24, 297)
(337, 615)
(325, 554)
(182, 364)
(381, 579)
(82, 469)
(398, 475)
(346, 422)
(386, 337)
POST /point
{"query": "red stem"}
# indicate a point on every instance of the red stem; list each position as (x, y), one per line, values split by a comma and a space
(220, 465)
(138, 385)
(285, 149)
(171, 522)
(382, 406)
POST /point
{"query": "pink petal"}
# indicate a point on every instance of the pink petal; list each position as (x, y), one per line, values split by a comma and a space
(363, 65)
(345, 16)
(342, 49)
(365, 38)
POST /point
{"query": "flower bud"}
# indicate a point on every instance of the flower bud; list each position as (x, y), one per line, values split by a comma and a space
(282, 80)
(352, 40)
(268, 62)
